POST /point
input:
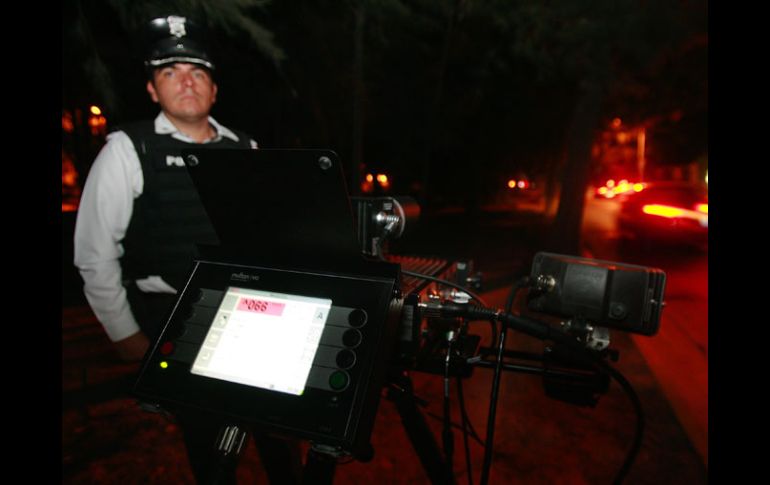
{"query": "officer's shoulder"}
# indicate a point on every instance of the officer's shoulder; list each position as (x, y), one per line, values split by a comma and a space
(135, 127)
(243, 137)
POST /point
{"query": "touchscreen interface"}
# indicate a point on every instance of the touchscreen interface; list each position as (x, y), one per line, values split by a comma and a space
(263, 339)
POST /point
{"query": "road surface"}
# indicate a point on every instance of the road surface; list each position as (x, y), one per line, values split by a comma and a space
(678, 354)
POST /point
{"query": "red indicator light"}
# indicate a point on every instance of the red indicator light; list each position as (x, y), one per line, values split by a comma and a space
(167, 348)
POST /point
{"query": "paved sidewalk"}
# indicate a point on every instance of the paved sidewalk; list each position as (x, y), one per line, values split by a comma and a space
(678, 354)
(108, 439)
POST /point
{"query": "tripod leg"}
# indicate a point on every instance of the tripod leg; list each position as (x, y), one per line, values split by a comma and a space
(281, 458)
(420, 435)
(202, 436)
(319, 468)
(228, 447)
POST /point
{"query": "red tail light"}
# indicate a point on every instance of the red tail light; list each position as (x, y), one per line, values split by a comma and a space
(663, 210)
(700, 213)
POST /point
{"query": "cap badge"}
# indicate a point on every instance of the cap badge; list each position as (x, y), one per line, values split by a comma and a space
(176, 25)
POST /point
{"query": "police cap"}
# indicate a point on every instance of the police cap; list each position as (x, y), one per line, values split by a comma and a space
(175, 39)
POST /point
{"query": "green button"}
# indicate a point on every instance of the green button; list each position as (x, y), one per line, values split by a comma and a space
(338, 380)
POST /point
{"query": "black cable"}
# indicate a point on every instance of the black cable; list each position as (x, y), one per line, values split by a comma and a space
(463, 333)
(489, 440)
(519, 284)
(637, 443)
(492, 414)
(445, 282)
(493, 334)
(446, 432)
(522, 282)
(491, 315)
(466, 424)
(546, 332)
(543, 332)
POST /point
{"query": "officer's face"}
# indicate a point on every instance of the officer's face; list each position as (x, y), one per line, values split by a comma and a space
(184, 91)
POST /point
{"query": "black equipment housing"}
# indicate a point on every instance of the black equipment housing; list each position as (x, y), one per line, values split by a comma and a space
(271, 240)
(604, 293)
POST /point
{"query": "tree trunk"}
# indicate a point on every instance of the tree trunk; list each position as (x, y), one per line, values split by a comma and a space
(357, 156)
(564, 236)
(431, 128)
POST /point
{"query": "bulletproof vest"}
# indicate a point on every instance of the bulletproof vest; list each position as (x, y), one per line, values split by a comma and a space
(168, 219)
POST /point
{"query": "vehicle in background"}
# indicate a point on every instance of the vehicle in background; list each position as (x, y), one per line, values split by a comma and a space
(524, 194)
(375, 184)
(665, 213)
(612, 189)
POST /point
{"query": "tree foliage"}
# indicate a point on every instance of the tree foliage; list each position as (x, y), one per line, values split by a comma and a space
(99, 34)
(449, 97)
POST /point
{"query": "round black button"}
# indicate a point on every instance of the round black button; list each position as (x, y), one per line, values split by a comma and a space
(177, 331)
(357, 318)
(339, 380)
(345, 359)
(186, 312)
(351, 338)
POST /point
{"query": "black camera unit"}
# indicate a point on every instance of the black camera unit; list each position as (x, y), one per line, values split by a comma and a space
(298, 319)
(609, 294)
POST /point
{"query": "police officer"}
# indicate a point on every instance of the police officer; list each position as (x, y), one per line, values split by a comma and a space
(140, 218)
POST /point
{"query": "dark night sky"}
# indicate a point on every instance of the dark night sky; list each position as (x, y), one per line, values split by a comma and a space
(499, 111)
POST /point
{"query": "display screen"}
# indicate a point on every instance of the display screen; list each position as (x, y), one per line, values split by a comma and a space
(263, 339)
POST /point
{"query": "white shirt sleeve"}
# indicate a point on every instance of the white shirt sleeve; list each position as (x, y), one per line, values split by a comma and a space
(106, 205)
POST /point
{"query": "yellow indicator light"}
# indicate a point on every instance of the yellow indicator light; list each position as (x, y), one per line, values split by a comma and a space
(369, 177)
(95, 110)
(163, 365)
(512, 184)
(382, 178)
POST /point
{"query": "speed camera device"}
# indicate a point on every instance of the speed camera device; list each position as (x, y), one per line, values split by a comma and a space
(297, 320)
(284, 325)
(609, 294)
